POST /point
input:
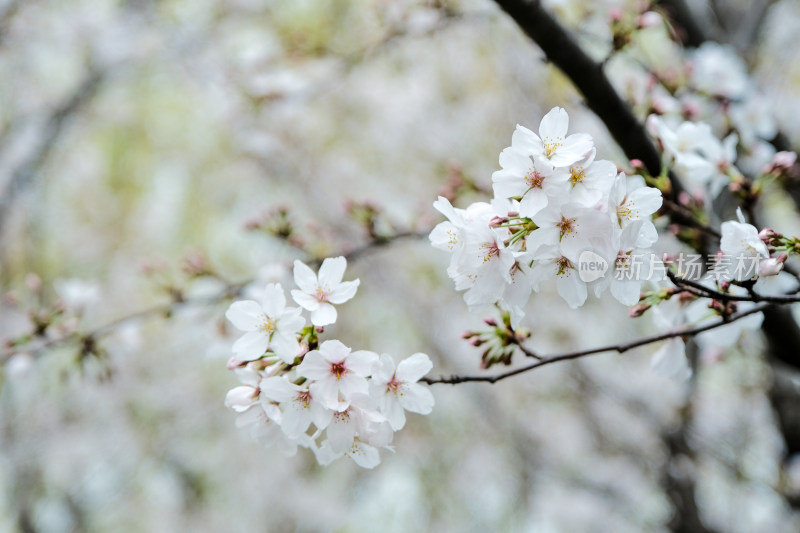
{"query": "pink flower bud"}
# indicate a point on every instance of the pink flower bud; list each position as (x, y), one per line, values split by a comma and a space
(241, 398)
(497, 222)
(638, 310)
(784, 164)
(490, 322)
(648, 20)
(769, 236)
(234, 363)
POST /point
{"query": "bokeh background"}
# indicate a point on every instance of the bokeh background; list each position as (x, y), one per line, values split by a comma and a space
(137, 136)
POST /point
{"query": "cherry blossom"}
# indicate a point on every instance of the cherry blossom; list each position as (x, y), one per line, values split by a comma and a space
(269, 325)
(531, 179)
(552, 143)
(741, 243)
(299, 408)
(336, 373)
(318, 293)
(398, 390)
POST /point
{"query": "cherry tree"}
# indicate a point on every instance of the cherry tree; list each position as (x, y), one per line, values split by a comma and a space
(379, 233)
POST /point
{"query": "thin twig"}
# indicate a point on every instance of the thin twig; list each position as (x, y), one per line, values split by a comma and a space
(701, 290)
(620, 348)
(231, 290)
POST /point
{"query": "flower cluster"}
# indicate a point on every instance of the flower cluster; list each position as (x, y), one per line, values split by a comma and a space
(296, 391)
(557, 213)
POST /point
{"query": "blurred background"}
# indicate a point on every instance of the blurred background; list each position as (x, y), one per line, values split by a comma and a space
(143, 143)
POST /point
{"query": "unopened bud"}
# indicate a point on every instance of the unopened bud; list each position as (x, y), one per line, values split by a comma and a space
(784, 164)
(769, 236)
(638, 310)
(636, 164)
(234, 363)
(648, 20)
(686, 297)
(496, 222)
(490, 322)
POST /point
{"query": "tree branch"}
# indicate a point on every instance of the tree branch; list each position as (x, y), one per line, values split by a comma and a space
(600, 96)
(619, 348)
(588, 77)
(231, 290)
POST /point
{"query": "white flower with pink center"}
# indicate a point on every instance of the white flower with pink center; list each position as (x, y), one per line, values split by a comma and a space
(397, 390)
(741, 243)
(552, 143)
(268, 325)
(318, 293)
(298, 406)
(336, 373)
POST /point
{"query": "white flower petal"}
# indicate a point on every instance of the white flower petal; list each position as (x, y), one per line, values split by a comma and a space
(304, 277)
(554, 124)
(285, 345)
(364, 455)
(343, 292)
(626, 292)
(314, 366)
(278, 389)
(341, 432)
(334, 351)
(416, 398)
(332, 271)
(305, 300)
(246, 315)
(325, 314)
(414, 367)
(670, 360)
(571, 289)
(393, 411)
(274, 300)
(327, 392)
(251, 346)
(362, 362)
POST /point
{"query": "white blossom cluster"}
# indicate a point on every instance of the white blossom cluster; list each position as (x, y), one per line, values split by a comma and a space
(296, 391)
(554, 206)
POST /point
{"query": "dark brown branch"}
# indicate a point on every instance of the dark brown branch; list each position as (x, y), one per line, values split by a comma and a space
(630, 134)
(619, 348)
(706, 292)
(589, 78)
(689, 31)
